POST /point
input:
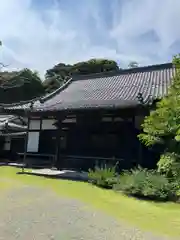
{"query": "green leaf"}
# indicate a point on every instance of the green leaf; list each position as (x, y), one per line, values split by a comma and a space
(177, 138)
(162, 126)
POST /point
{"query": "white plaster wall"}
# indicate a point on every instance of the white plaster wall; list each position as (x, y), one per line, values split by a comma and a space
(34, 124)
(33, 137)
(33, 142)
(48, 124)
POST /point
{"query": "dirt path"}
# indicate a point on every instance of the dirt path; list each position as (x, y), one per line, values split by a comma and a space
(36, 214)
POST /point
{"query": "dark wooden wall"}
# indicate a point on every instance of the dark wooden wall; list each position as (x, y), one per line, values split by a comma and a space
(47, 142)
(91, 137)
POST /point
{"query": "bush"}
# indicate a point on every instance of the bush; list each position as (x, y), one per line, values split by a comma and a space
(103, 176)
(157, 187)
(176, 189)
(143, 183)
(132, 182)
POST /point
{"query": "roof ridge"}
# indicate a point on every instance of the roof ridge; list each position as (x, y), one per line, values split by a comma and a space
(122, 71)
(42, 98)
(61, 88)
(19, 103)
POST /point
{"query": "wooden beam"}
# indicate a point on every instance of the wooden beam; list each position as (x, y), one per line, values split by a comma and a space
(41, 122)
(25, 144)
(59, 118)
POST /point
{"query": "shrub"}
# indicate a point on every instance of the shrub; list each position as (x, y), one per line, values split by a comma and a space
(169, 164)
(176, 189)
(145, 183)
(157, 187)
(131, 182)
(103, 176)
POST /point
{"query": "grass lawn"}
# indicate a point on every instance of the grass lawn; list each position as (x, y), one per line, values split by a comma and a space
(163, 218)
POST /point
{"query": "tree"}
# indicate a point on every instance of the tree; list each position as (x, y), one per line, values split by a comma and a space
(19, 86)
(162, 126)
(61, 72)
(94, 66)
(133, 64)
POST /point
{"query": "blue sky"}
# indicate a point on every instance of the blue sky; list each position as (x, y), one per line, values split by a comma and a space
(41, 33)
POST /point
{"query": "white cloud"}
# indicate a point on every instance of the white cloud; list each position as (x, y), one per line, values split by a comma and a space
(124, 31)
(140, 16)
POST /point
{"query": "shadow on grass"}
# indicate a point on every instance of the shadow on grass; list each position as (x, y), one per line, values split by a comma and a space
(47, 173)
(2, 164)
(151, 199)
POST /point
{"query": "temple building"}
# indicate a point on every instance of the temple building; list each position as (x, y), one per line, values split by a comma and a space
(94, 117)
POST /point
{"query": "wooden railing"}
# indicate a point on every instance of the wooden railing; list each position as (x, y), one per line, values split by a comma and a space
(43, 159)
(86, 162)
(72, 162)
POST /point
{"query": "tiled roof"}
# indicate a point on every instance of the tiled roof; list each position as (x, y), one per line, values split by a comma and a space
(10, 122)
(111, 90)
(35, 101)
(4, 118)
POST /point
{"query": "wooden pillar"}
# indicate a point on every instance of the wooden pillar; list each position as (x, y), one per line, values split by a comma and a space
(58, 141)
(58, 147)
(40, 132)
(41, 122)
(135, 153)
(25, 144)
(139, 151)
(140, 154)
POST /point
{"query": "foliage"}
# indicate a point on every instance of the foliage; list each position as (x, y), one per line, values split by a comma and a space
(133, 64)
(132, 182)
(61, 72)
(176, 188)
(52, 83)
(145, 183)
(103, 176)
(169, 164)
(19, 86)
(162, 126)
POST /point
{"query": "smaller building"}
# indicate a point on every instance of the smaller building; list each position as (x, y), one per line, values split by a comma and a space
(12, 131)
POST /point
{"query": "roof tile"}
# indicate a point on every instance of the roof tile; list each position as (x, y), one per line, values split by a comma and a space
(111, 89)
